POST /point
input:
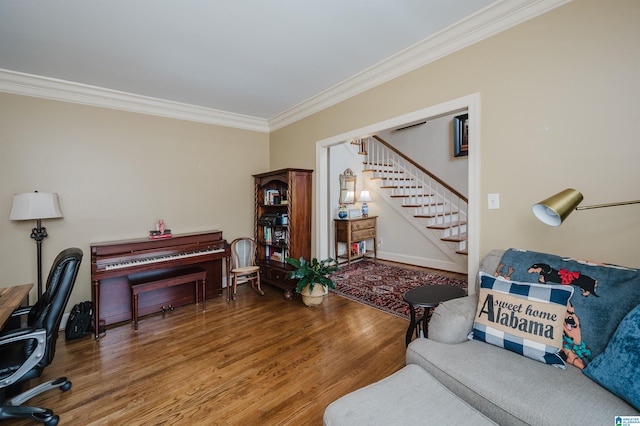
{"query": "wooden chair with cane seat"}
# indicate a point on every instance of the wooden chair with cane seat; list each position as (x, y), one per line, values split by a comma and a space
(243, 264)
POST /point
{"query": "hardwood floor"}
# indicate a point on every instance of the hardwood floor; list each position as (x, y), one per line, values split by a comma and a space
(258, 360)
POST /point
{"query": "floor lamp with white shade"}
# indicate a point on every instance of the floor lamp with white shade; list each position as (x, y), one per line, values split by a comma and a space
(36, 205)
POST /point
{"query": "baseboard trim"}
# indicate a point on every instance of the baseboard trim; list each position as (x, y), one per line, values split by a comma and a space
(65, 319)
(424, 262)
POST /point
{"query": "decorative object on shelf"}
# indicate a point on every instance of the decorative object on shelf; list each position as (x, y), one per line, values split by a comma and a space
(342, 211)
(355, 213)
(358, 249)
(272, 197)
(36, 205)
(309, 274)
(364, 197)
(160, 232)
(555, 209)
(461, 135)
(347, 187)
(280, 236)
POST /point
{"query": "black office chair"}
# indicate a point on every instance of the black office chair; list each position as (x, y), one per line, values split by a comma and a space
(25, 352)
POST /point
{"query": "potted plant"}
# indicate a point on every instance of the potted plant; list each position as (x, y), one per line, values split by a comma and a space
(309, 274)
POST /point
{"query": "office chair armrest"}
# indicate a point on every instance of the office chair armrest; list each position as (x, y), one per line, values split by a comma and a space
(21, 311)
(17, 319)
(16, 334)
(18, 313)
(19, 335)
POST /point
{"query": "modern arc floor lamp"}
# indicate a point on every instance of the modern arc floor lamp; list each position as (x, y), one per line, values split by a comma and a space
(36, 205)
(555, 209)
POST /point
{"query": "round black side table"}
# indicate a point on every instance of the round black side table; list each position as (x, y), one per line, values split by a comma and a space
(428, 296)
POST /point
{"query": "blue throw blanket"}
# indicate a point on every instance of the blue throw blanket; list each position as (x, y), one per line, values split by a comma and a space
(603, 295)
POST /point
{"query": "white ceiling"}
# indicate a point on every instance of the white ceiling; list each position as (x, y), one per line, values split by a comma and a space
(257, 59)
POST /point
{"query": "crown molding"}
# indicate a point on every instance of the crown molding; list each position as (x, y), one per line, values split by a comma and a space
(491, 20)
(66, 91)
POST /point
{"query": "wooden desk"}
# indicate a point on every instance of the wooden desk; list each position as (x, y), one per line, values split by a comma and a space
(355, 231)
(10, 299)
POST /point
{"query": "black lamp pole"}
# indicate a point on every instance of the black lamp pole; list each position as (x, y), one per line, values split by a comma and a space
(39, 233)
(36, 205)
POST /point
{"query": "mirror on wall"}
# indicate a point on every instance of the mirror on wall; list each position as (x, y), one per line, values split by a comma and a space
(347, 187)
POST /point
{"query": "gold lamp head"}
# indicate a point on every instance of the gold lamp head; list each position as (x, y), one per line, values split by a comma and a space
(555, 209)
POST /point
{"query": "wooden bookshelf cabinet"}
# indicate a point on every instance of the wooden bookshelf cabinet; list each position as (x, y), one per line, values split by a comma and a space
(282, 224)
(355, 233)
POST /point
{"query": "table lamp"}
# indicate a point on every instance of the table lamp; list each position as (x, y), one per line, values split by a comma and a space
(36, 205)
(350, 198)
(364, 197)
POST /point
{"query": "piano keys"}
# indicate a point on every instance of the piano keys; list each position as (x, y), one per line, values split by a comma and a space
(129, 263)
(112, 262)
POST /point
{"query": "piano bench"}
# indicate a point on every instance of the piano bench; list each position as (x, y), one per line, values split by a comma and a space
(144, 282)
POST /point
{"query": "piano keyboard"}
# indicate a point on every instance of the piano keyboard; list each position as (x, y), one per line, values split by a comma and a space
(161, 259)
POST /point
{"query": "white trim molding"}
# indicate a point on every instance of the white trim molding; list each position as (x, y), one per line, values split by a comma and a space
(67, 91)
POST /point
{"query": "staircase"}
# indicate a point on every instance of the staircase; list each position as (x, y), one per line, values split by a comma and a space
(435, 209)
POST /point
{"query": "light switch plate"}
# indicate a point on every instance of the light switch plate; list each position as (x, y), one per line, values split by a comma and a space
(493, 201)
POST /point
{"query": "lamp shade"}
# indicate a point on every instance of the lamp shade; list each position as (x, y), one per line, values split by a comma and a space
(350, 198)
(555, 209)
(35, 205)
(364, 196)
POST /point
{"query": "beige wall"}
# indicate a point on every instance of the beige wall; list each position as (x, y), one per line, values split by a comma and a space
(116, 174)
(558, 109)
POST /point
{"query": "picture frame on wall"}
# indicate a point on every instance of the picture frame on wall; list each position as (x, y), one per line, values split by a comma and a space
(461, 135)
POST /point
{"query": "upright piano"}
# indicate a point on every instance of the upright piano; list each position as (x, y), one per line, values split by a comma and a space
(112, 263)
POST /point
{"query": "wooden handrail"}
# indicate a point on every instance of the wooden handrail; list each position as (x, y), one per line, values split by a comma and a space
(422, 169)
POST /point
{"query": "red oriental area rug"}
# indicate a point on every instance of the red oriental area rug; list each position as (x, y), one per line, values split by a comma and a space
(382, 286)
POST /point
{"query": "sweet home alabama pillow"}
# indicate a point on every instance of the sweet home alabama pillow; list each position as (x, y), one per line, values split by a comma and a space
(524, 318)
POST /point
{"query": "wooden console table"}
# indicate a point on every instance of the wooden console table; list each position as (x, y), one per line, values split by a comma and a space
(356, 231)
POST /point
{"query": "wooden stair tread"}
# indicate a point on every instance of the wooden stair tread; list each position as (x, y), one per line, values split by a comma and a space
(447, 226)
(455, 238)
(388, 178)
(383, 171)
(411, 196)
(422, 205)
(432, 215)
(366, 163)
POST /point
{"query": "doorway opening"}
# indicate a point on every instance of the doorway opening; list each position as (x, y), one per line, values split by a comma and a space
(323, 213)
